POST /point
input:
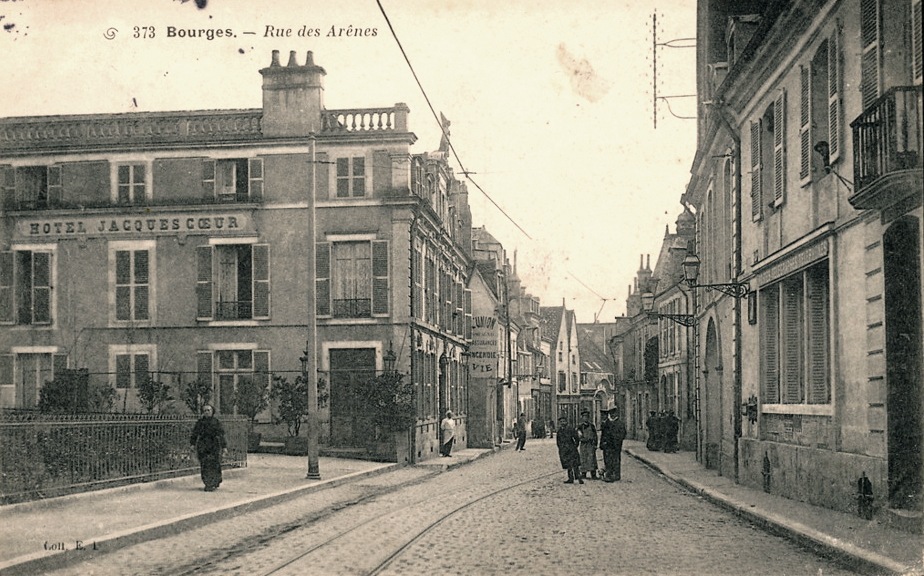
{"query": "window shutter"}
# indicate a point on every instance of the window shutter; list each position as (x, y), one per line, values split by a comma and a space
(41, 287)
(869, 42)
(322, 176)
(322, 278)
(379, 277)
(255, 178)
(6, 370)
(805, 125)
(8, 187)
(917, 45)
(261, 281)
(817, 304)
(261, 367)
(208, 178)
(6, 288)
(55, 188)
(792, 340)
(834, 94)
(142, 309)
(204, 368)
(755, 170)
(468, 314)
(770, 343)
(779, 149)
(460, 310)
(418, 284)
(204, 283)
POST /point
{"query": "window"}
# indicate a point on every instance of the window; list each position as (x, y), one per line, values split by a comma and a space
(820, 107)
(130, 282)
(352, 279)
(233, 282)
(794, 339)
(130, 184)
(351, 177)
(131, 369)
(229, 367)
(768, 148)
(31, 187)
(25, 287)
(233, 180)
(562, 381)
(26, 372)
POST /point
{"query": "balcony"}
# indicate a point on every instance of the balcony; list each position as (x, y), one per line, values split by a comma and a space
(225, 310)
(352, 308)
(365, 120)
(887, 150)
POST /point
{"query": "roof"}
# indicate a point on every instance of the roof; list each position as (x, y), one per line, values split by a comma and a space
(550, 320)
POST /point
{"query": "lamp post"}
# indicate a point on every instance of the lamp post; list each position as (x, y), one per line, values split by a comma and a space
(310, 373)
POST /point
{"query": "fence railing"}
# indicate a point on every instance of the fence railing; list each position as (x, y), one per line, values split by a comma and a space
(887, 136)
(46, 455)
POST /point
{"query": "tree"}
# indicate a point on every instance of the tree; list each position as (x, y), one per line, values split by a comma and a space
(292, 398)
(251, 397)
(196, 394)
(391, 402)
(153, 394)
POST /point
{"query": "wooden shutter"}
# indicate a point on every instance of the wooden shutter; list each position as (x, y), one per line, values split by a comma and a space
(417, 288)
(6, 370)
(208, 178)
(770, 344)
(255, 179)
(779, 149)
(917, 45)
(792, 340)
(819, 392)
(261, 367)
(41, 287)
(55, 187)
(204, 368)
(7, 187)
(834, 94)
(805, 124)
(141, 274)
(460, 310)
(380, 277)
(322, 278)
(870, 45)
(468, 314)
(756, 132)
(204, 300)
(261, 281)
(7, 282)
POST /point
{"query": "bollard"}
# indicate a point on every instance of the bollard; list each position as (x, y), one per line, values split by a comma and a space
(864, 497)
(766, 472)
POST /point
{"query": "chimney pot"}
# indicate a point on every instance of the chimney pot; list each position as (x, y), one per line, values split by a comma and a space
(292, 62)
(309, 61)
(275, 60)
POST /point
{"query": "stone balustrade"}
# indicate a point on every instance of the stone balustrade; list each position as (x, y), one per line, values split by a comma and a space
(365, 120)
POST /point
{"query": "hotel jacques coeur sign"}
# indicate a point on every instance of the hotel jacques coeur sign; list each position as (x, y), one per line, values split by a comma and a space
(122, 226)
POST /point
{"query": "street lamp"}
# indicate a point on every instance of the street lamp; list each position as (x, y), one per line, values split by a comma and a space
(691, 273)
(682, 319)
(389, 360)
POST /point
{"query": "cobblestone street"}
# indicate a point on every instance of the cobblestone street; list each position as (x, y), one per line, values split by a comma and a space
(509, 513)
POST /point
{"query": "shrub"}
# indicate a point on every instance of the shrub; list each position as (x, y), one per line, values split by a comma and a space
(196, 394)
(153, 395)
(292, 398)
(251, 397)
(72, 392)
(390, 401)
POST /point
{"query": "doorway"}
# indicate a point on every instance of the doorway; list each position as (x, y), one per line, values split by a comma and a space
(349, 421)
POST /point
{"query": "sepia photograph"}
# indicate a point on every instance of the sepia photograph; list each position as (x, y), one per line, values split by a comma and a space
(293, 287)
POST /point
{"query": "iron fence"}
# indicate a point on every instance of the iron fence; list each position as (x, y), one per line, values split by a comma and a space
(46, 455)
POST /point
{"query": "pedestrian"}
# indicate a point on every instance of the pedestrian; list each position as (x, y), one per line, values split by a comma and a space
(208, 439)
(448, 429)
(652, 425)
(671, 429)
(567, 440)
(521, 432)
(588, 447)
(612, 434)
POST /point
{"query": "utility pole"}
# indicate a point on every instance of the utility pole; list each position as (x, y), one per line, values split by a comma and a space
(310, 358)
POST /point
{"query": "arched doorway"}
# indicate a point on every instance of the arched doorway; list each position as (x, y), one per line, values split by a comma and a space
(902, 271)
(712, 400)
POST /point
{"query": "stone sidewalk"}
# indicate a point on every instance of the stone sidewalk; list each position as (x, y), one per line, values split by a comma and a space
(53, 532)
(868, 545)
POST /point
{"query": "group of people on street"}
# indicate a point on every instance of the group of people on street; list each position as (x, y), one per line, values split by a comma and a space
(577, 447)
(663, 429)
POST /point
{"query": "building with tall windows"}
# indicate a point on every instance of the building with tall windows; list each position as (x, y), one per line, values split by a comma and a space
(206, 245)
(807, 188)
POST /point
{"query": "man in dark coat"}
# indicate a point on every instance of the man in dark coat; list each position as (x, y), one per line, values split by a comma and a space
(208, 438)
(652, 425)
(612, 434)
(671, 429)
(568, 441)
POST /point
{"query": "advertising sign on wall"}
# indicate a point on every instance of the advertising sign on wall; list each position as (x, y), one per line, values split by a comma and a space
(482, 360)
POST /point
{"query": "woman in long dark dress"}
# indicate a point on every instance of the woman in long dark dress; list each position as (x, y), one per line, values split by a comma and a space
(208, 438)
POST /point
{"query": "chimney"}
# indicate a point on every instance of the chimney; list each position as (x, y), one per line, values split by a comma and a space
(293, 97)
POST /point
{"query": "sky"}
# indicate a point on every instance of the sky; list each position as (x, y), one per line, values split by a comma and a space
(550, 102)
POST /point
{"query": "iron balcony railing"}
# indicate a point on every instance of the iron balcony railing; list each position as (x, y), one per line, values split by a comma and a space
(234, 310)
(887, 136)
(352, 308)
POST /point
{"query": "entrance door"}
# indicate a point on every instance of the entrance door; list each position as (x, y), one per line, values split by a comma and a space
(902, 269)
(349, 424)
(712, 400)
